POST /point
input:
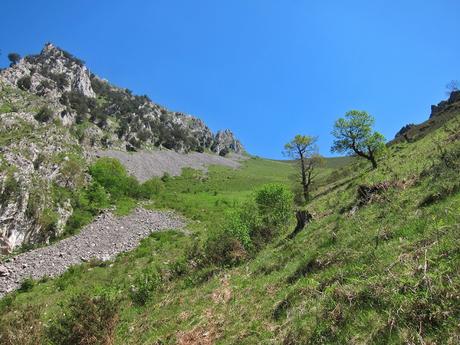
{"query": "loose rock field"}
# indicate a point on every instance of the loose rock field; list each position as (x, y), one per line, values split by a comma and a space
(103, 239)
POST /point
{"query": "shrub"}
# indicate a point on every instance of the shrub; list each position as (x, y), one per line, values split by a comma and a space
(24, 83)
(274, 203)
(11, 188)
(27, 285)
(144, 286)
(60, 79)
(24, 328)
(97, 196)
(48, 222)
(151, 188)
(247, 228)
(110, 174)
(224, 249)
(239, 223)
(166, 177)
(71, 172)
(224, 152)
(88, 320)
(78, 219)
(44, 114)
(14, 58)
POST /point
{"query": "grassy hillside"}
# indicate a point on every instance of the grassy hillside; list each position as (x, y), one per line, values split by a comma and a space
(377, 267)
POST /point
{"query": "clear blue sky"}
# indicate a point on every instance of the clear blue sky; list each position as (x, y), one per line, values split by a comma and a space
(267, 69)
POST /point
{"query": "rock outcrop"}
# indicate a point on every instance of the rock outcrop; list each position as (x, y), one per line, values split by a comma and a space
(127, 121)
(53, 112)
(440, 114)
(444, 105)
(225, 142)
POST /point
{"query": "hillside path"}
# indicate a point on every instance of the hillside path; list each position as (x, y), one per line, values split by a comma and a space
(103, 239)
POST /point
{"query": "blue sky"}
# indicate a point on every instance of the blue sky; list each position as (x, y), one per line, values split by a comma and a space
(267, 69)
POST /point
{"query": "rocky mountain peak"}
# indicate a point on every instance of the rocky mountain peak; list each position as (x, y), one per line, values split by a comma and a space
(119, 119)
(225, 141)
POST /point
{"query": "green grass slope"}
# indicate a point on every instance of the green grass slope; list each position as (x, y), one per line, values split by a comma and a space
(379, 267)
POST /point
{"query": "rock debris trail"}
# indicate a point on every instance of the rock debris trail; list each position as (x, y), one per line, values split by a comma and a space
(147, 164)
(103, 239)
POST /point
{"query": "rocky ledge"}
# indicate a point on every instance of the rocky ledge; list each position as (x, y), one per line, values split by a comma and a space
(103, 239)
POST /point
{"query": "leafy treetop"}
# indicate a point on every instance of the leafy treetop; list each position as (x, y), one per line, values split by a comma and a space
(354, 135)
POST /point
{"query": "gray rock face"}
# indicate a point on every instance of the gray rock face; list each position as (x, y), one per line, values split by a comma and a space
(225, 141)
(30, 169)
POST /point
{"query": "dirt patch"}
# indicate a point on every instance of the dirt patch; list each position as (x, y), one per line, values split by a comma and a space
(197, 336)
(223, 294)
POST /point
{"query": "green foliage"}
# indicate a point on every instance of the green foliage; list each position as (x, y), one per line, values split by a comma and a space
(356, 274)
(14, 58)
(87, 320)
(301, 145)
(11, 189)
(304, 150)
(274, 204)
(86, 203)
(354, 135)
(44, 114)
(72, 171)
(111, 174)
(144, 286)
(27, 284)
(248, 227)
(80, 103)
(152, 188)
(48, 222)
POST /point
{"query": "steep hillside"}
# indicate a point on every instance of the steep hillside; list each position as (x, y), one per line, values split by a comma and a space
(378, 264)
(54, 114)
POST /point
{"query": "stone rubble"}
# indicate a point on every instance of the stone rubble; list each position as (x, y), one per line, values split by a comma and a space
(103, 239)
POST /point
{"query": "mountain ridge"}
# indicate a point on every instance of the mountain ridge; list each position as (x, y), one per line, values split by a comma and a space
(54, 115)
(124, 120)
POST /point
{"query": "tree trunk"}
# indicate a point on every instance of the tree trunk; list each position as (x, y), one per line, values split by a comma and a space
(303, 217)
(373, 161)
(370, 157)
(304, 177)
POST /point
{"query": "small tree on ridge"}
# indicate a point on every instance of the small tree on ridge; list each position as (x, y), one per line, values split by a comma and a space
(14, 58)
(354, 135)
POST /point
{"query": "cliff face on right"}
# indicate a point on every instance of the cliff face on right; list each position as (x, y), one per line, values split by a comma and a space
(440, 114)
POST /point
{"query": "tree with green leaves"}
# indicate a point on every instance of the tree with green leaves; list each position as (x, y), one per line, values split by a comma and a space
(303, 150)
(354, 135)
(14, 58)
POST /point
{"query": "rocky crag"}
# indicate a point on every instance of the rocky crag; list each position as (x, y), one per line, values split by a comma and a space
(440, 114)
(53, 113)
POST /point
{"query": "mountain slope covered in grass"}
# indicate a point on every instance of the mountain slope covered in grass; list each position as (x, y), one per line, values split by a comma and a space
(379, 263)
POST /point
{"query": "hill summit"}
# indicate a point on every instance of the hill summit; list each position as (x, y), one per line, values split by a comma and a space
(114, 117)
